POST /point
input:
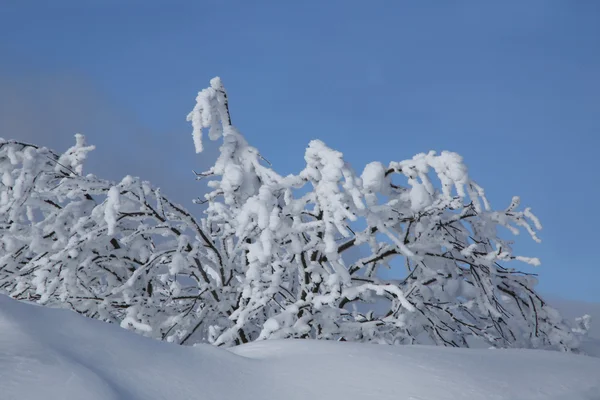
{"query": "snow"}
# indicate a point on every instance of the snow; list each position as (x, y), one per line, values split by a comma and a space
(373, 176)
(56, 354)
(211, 104)
(112, 209)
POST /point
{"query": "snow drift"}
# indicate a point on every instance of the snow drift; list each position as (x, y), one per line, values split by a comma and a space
(57, 354)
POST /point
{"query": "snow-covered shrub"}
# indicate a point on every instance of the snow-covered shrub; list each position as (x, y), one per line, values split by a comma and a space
(120, 252)
(267, 259)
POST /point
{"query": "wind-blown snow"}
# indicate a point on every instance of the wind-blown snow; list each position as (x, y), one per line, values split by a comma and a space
(57, 354)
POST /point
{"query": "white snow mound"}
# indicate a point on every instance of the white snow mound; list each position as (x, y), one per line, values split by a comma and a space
(57, 354)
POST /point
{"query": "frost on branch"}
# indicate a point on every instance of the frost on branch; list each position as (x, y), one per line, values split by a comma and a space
(268, 259)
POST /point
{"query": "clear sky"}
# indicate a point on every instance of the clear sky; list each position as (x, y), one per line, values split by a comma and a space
(513, 86)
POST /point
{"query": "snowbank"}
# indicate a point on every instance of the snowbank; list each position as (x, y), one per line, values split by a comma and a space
(56, 354)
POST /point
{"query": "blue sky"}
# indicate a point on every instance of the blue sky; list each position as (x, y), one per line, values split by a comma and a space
(512, 86)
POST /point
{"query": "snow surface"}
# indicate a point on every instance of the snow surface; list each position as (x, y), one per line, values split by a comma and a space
(57, 354)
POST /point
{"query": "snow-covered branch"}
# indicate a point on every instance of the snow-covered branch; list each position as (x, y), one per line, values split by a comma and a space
(267, 260)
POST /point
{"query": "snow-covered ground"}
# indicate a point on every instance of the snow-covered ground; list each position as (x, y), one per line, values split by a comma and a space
(56, 354)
